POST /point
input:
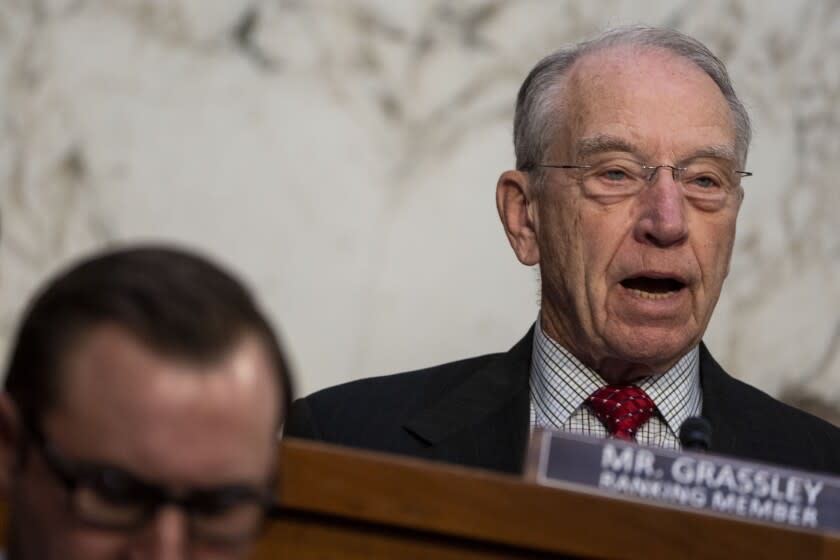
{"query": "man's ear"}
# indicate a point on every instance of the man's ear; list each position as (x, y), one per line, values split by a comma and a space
(517, 210)
(10, 443)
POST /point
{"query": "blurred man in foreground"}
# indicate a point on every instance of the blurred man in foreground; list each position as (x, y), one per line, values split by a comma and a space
(143, 400)
(630, 154)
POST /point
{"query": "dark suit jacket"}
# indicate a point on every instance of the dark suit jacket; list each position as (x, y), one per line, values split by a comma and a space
(475, 412)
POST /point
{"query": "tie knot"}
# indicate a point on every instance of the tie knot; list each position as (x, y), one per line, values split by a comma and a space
(622, 409)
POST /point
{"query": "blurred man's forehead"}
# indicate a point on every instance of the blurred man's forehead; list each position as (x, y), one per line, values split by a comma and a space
(109, 351)
(122, 402)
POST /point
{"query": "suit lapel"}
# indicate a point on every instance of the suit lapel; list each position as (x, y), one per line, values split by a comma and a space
(486, 414)
(723, 403)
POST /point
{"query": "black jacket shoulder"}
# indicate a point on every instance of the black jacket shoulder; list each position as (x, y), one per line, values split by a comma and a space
(751, 424)
(372, 413)
(472, 412)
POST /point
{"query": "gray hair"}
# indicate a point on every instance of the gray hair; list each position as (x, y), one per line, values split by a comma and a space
(534, 128)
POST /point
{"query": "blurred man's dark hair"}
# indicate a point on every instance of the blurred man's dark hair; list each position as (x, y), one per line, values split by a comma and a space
(179, 304)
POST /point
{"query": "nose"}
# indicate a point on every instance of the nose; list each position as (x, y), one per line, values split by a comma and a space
(662, 217)
(164, 538)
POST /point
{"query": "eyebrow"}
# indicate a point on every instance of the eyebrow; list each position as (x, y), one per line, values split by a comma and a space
(714, 152)
(602, 143)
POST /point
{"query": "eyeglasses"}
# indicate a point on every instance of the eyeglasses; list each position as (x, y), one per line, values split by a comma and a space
(110, 498)
(708, 181)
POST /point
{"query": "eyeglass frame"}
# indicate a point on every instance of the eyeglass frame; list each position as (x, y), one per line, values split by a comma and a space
(676, 171)
(75, 474)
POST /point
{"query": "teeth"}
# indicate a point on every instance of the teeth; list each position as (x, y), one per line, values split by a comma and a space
(651, 295)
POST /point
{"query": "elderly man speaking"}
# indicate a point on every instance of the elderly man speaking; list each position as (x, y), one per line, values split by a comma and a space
(630, 159)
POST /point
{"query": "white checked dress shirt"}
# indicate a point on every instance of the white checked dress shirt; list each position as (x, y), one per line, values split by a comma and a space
(560, 384)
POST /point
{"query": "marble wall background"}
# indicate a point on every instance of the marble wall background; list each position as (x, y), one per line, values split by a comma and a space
(343, 155)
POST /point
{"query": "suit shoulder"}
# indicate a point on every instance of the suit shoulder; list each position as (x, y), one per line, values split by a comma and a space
(775, 413)
(344, 413)
(754, 410)
(757, 426)
(430, 382)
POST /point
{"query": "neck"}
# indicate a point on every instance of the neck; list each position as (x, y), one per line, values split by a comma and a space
(612, 369)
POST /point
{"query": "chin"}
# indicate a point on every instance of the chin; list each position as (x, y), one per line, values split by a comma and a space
(652, 348)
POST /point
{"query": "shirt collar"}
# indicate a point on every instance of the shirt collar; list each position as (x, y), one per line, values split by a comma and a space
(560, 384)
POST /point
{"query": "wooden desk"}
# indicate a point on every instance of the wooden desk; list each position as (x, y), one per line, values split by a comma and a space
(349, 504)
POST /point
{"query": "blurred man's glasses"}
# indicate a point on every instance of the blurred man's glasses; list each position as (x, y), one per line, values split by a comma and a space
(709, 181)
(110, 498)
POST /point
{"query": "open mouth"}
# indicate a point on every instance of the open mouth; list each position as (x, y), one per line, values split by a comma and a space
(653, 288)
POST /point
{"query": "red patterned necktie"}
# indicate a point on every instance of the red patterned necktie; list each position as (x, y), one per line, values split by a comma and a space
(622, 409)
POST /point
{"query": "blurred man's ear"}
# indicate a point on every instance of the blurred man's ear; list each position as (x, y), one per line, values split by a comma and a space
(10, 438)
(517, 210)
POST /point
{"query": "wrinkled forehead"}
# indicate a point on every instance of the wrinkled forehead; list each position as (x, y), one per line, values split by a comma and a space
(649, 97)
